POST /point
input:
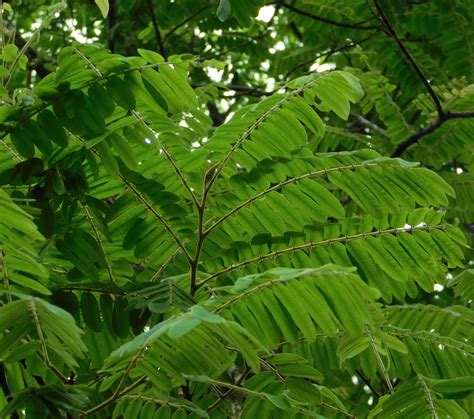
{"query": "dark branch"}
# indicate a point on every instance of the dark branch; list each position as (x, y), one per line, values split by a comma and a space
(179, 25)
(156, 28)
(393, 34)
(357, 26)
(111, 21)
(296, 31)
(253, 40)
(217, 118)
(442, 115)
(243, 90)
(327, 53)
(367, 382)
(252, 91)
(238, 47)
(446, 116)
(459, 115)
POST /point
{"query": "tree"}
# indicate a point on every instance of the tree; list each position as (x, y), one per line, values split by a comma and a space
(211, 209)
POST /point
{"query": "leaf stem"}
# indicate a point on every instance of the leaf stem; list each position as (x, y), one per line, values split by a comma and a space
(44, 22)
(171, 160)
(380, 363)
(228, 392)
(111, 399)
(428, 396)
(160, 218)
(246, 134)
(44, 348)
(98, 238)
(6, 282)
(138, 117)
(310, 246)
(285, 183)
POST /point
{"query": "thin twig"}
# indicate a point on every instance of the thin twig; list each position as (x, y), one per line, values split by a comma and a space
(99, 290)
(443, 116)
(163, 221)
(156, 28)
(254, 39)
(380, 363)
(228, 392)
(358, 26)
(429, 129)
(393, 34)
(215, 171)
(182, 23)
(367, 382)
(328, 53)
(98, 238)
(428, 395)
(111, 399)
(246, 90)
(44, 347)
(85, 85)
(56, 8)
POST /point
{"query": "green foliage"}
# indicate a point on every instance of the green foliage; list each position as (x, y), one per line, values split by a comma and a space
(175, 246)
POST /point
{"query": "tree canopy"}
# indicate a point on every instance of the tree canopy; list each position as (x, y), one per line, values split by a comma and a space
(236, 208)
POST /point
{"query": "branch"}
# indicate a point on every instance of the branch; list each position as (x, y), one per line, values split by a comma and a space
(35, 61)
(92, 288)
(327, 53)
(111, 18)
(446, 116)
(44, 345)
(326, 20)
(156, 28)
(254, 39)
(138, 117)
(216, 117)
(173, 30)
(442, 115)
(246, 90)
(367, 382)
(7, 130)
(392, 33)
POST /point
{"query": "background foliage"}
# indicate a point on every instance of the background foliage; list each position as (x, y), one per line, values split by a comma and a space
(236, 208)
